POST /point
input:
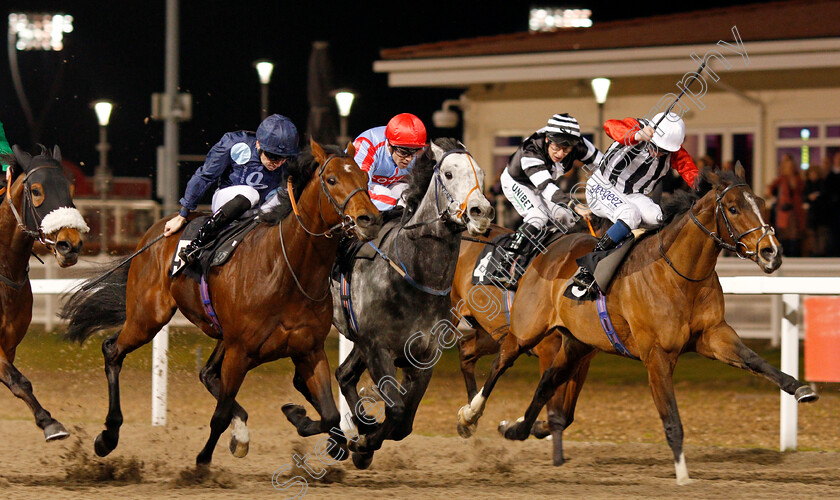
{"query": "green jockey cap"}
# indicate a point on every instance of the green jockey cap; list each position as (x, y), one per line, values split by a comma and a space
(5, 149)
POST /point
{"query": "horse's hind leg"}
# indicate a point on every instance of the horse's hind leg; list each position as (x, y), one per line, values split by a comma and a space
(22, 388)
(210, 376)
(312, 378)
(234, 367)
(660, 366)
(723, 344)
(139, 329)
(564, 365)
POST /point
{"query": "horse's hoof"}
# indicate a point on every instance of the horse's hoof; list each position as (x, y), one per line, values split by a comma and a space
(362, 460)
(102, 447)
(55, 431)
(540, 429)
(240, 439)
(806, 395)
(466, 431)
(293, 412)
(339, 453)
(684, 481)
(466, 416)
(513, 430)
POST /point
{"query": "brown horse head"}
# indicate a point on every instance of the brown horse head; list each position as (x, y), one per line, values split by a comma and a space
(44, 205)
(344, 184)
(740, 224)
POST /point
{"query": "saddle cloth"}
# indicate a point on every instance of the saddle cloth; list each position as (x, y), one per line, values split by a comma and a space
(216, 253)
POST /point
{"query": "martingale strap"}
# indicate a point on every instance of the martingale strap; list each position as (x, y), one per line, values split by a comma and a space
(607, 325)
(208, 304)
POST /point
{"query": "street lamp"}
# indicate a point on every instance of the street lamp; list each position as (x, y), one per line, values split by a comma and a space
(344, 101)
(600, 87)
(264, 69)
(103, 173)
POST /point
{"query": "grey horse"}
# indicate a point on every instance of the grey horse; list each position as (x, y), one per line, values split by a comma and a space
(402, 322)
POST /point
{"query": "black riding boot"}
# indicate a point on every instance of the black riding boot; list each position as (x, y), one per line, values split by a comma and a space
(226, 214)
(521, 245)
(584, 278)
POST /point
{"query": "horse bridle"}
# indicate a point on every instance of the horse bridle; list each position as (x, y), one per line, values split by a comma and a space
(461, 212)
(767, 230)
(38, 233)
(347, 223)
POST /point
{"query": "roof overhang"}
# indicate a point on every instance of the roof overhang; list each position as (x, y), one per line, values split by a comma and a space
(571, 65)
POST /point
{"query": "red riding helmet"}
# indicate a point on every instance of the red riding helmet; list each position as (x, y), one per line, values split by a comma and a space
(406, 130)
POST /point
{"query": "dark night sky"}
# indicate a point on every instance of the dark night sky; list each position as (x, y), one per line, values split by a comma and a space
(116, 51)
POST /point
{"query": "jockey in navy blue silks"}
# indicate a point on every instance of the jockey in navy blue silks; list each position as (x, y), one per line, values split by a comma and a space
(246, 168)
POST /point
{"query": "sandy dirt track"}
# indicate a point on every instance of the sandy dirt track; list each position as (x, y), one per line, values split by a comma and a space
(616, 447)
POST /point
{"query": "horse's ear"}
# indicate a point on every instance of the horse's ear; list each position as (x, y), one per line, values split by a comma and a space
(351, 149)
(710, 176)
(317, 151)
(22, 158)
(739, 170)
(461, 145)
(56, 153)
(437, 151)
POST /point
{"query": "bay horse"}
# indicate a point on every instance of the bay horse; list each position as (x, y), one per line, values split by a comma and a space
(482, 306)
(38, 206)
(269, 299)
(444, 198)
(665, 300)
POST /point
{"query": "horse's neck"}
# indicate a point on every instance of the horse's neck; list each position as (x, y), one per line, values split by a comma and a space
(305, 252)
(688, 247)
(430, 251)
(15, 246)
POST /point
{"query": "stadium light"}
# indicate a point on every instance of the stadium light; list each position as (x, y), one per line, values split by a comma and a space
(39, 31)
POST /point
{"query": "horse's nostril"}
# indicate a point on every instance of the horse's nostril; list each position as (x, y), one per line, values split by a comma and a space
(363, 220)
(63, 247)
(476, 212)
(767, 253)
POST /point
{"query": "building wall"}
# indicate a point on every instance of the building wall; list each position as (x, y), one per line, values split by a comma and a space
(498, 109)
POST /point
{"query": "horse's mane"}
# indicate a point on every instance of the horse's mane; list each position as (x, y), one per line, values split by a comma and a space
(681, 201)
(301, 171)
(424, 169)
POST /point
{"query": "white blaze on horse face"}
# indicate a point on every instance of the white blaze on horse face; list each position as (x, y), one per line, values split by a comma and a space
(347, 168)
(754, 205)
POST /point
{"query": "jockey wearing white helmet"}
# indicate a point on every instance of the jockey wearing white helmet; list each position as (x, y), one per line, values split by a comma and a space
(634, 165)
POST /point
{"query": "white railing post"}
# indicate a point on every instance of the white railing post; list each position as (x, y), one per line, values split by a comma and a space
(345, 345)
(789, 412)
(160, 370)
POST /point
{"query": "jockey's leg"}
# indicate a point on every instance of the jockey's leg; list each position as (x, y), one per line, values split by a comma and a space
(226, 214)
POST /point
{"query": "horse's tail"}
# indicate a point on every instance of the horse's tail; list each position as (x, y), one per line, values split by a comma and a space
(98, 304)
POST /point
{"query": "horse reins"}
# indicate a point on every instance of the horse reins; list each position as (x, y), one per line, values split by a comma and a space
(767, 230)
(345, 224)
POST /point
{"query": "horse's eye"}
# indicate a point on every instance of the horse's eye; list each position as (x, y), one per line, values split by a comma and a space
(448, 176)
(331, 181)
(36, 192)
(733, 210)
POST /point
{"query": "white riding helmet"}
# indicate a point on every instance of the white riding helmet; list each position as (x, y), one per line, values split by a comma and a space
(670, 133)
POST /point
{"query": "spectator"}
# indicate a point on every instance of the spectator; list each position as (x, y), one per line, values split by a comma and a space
(817, 218)
(789, 217)
(831, 202)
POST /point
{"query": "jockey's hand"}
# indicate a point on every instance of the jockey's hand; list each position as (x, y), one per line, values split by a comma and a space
(646, 134)
(174, 225)
(582, 210)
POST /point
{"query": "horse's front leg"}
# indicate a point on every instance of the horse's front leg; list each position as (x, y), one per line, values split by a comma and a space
(660, 366)
(472, 347)
(348, 374)
(240, 438)
(565, 364)
(234, 367)
(415, 382)
(312, 379)
(720, 342)
(22, 388)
